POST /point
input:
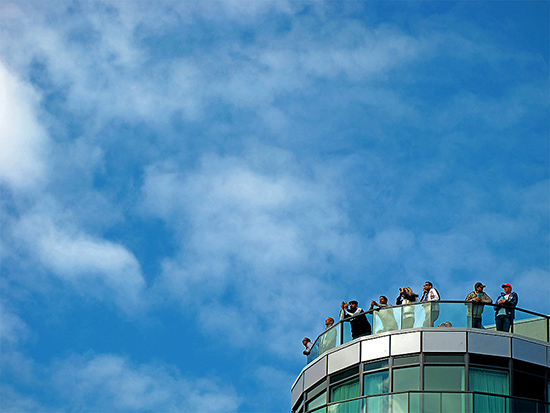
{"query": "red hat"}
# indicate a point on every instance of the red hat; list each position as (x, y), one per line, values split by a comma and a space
(505, 285)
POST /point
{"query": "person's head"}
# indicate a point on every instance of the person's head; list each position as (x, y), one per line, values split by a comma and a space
(428, 286)
(479, 287)
(507, 288)
(353, 304)
(408, 290)
(305, 341)
(448, 324)
(383, 299)
(329, 322)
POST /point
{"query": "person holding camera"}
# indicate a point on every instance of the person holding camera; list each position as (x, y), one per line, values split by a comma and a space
(406, 296)
(360, 326)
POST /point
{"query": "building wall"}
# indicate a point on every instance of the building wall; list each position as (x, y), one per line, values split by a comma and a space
(488, 346)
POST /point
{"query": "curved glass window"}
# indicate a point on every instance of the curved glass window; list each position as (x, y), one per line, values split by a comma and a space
(318, 401)
(492, 381)
(376, 383)
(444, 378)
(344, 391)
(406, 378)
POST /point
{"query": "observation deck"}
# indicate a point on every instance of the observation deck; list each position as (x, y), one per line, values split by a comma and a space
(409, 364)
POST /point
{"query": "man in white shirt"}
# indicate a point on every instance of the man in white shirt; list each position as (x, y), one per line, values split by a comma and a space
(431, 310)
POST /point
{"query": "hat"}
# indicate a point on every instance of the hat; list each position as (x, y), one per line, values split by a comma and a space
(478, 284)
(505, 285)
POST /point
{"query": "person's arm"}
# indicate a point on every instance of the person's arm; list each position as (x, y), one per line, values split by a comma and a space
(512, 300)
(470, 296)
(486, 299)
(343, 314)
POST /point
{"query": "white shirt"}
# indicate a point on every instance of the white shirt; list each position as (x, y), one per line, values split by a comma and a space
(432, 295)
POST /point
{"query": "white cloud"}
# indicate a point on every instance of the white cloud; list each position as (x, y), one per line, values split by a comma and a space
(93, 266)
(13, 330)
(24, 142)
(269, 236)
(109, 382)
(13, 401)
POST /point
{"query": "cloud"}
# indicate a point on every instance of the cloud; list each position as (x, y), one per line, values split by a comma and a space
(108, 382)
(13, 330)
(268, 235)
(93, 266)
(23, 139)
(13, 401)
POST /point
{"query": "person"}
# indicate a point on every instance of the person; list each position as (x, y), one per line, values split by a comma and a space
(386, 316)
(445, 324)
(308, 345)
(479, 298)
(406, 296)
(360, 326)
(504, 312)
(328, 339)
(383, 303)
(431, 311)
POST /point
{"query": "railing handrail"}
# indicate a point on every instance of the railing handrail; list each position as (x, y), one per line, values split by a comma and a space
(423, 303)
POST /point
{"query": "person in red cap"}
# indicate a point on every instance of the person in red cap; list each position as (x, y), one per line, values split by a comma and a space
(479, 298)
(504, 311)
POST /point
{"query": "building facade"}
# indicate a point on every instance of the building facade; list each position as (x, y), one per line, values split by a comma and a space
(428, 369)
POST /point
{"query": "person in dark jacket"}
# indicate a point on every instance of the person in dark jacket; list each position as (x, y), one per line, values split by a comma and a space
(360, 326)
(504, 312)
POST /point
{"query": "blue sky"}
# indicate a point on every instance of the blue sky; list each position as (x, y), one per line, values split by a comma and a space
(189, 188)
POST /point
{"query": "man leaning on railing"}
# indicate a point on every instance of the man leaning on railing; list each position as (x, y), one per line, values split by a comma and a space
(479, 297)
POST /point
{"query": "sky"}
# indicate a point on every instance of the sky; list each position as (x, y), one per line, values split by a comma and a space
(190, 188)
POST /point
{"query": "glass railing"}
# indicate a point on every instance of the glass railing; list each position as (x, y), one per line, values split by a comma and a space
(434, 314)
(435, 402)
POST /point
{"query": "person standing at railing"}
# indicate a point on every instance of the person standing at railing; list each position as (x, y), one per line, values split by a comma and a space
(431, 311)
(479, 298)
(307, 344)
(360, 326)
(386, 316)
(504, 313)
(328, 339)
(406, 296)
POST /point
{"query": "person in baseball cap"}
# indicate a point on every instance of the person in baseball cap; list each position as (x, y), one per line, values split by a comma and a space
(504, 311)
(475, 310)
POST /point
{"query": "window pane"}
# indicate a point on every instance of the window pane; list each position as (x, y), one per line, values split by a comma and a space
(489, 381)
(376, 383)
(317, 401)
(403, 361)
(455, 402)
(406, 379)
(345, 391)
(345, 374)
(444, 378)
(444, 358)
(318, 388)
(376, 365)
